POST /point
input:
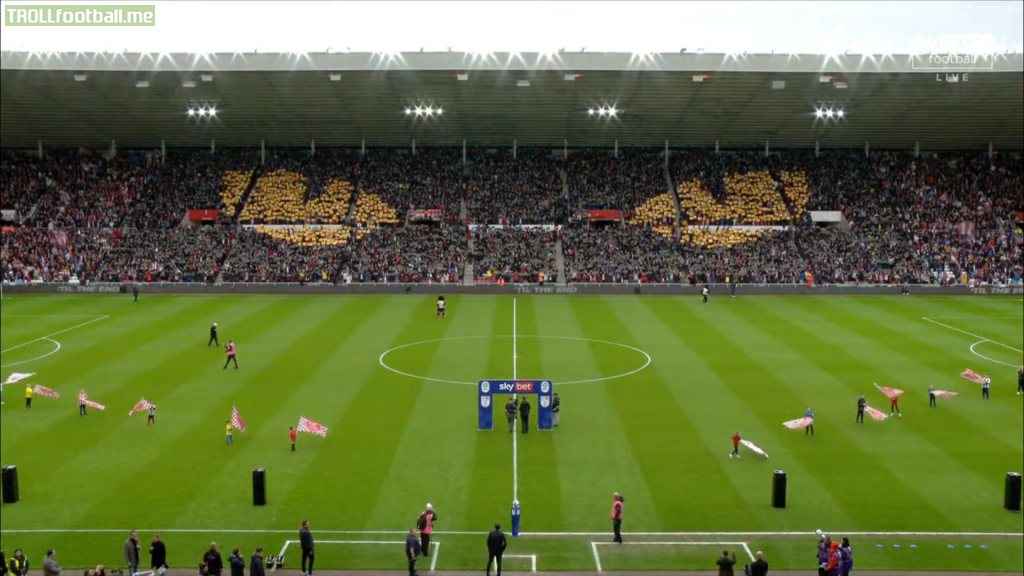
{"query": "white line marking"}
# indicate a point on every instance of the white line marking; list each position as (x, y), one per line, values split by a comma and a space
(281, 555)
(532, 557)
(980, 355)
(647, 357)
(597, 557)
(50, 353)
(436, 545)
(972, 334)
(433, 561)
(48, 316)
(515, 354)
(57, 333)
(515, 425)
(484, 532)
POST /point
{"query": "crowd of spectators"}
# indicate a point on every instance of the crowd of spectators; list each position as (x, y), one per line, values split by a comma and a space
(514, 255)
(599, 180)
(621, 253)
(256, 256)
(946, 218)
(525, 189)
(413, 253)
(658, 213)
(430, 178)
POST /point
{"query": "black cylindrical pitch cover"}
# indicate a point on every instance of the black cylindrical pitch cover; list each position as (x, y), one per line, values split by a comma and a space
(1011, 500)
(259, 487)
(10, 484)
(779, 489)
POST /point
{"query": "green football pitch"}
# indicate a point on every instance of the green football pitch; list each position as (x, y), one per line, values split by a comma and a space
(922, 491)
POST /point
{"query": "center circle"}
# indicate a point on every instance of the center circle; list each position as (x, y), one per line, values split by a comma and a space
(643, 357)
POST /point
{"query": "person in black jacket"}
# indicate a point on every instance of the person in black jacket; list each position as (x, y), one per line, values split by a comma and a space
(759, 567)
(212, 559)
(306, 543)
(256, 567)
(213, 336)
(496, 544)
(237, 563)
(524, 414)
(510, 415)
(157, 554)
(725, 563)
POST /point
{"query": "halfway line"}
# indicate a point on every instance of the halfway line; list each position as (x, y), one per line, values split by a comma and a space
(515, 431)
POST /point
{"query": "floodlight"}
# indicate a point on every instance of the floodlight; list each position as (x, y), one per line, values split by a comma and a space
(439, 111)
(601, 111)
(613, 111)
(819, 113)
(590, 111)
(202, 112)
(840, 113)
(429, 110)
(213, 111)
(828, 113)
(191, 112)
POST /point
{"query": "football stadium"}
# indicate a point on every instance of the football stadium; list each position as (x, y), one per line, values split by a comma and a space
(522, 287)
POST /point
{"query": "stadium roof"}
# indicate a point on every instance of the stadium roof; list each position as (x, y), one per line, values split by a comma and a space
(690, 100)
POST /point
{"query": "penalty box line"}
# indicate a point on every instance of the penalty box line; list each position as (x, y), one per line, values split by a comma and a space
(597, 555)
(532, 557)
(433, 559)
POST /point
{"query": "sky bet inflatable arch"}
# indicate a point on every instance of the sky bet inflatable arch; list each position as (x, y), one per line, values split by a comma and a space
(487, 389)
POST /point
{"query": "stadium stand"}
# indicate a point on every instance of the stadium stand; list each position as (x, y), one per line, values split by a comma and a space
(82, 216)
(500, 189)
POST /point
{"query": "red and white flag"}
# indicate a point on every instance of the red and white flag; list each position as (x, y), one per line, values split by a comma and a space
(754, 448)
(44, 391)
(875, 413)
(306, 425)
(140, 406)
(890, 393)
(945, 394)
(83, 398)
(799, 423)
(973, 376)
(15, 376)
(236, 420)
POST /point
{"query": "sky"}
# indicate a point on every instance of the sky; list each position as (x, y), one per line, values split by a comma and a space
(828, 27)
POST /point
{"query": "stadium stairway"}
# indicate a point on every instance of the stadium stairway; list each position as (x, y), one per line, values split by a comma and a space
(676, 231)
(559, 262)
(468, 272)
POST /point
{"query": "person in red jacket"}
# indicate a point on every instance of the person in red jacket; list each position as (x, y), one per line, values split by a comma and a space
(229, 350)
(425, 524)
(735, 445)
(617, 504)
(291, 436)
